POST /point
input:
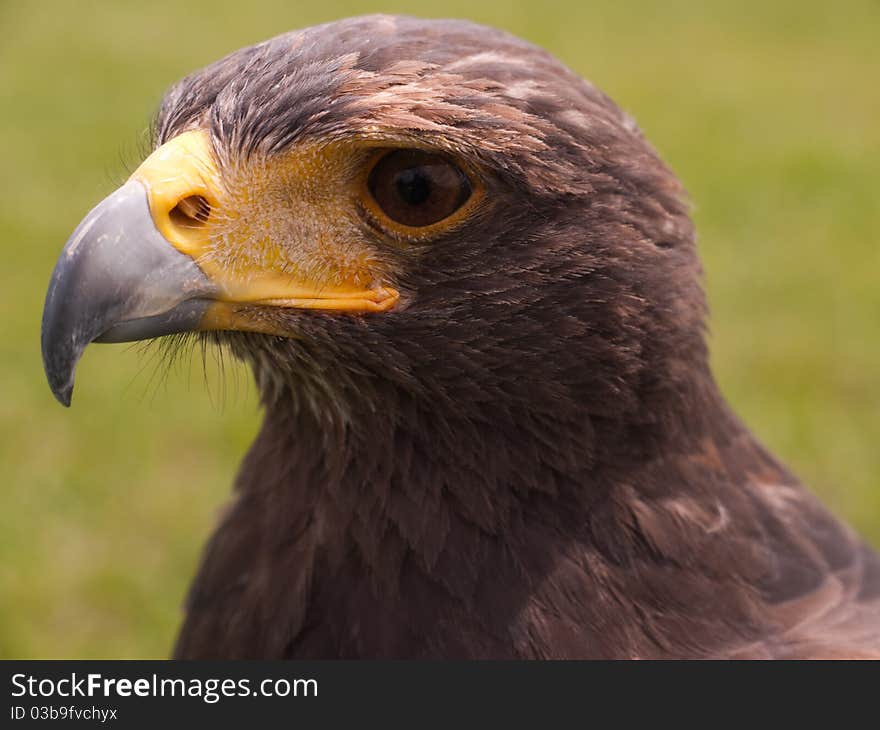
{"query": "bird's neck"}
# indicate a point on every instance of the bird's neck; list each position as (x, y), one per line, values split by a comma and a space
(368, 515)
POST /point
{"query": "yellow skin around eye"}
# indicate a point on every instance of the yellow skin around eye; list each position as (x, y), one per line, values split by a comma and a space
(294, 216)
(283, 230)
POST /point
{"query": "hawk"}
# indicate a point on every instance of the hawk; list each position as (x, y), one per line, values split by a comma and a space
(469, 293)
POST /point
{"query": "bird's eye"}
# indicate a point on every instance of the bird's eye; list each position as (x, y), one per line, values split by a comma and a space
(416, 188)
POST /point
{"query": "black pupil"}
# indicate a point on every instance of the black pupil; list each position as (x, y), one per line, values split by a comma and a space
(417, 188)
(413, 185)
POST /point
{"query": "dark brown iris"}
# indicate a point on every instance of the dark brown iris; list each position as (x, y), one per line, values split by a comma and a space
(416, 188)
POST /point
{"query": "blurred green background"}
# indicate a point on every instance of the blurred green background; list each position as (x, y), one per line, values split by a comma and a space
(769, 112)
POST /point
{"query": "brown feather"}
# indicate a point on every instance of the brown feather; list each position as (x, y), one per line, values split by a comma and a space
(531, 459)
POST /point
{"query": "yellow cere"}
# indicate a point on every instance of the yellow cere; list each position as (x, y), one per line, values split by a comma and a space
(279, 231)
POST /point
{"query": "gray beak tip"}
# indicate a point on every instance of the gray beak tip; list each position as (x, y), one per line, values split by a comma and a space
(59, 343)
(63, 395)
(117, 280)
(59, 368)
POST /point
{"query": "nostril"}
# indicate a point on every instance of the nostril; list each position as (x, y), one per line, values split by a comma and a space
(191, 212)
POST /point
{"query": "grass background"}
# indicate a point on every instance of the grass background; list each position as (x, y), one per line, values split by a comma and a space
(769, 111)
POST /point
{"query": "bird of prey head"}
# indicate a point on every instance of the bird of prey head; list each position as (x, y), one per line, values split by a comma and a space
(469, 292)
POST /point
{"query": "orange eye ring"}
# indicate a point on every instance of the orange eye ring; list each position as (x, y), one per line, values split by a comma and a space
(417, 193)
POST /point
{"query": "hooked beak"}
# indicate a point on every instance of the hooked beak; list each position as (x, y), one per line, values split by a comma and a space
(134, 268)
(117, 280)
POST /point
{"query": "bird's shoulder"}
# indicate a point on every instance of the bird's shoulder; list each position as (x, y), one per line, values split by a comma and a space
(722, 552)
(821, 597)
